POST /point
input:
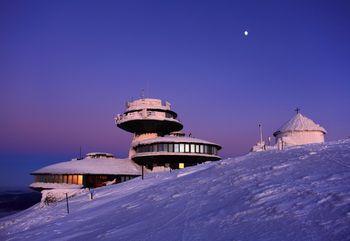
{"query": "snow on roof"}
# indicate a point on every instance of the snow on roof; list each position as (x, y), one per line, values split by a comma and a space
(300, 123)
(174, 139)
(106, 166)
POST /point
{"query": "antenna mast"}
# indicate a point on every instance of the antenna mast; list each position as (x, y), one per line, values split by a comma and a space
(260, 132)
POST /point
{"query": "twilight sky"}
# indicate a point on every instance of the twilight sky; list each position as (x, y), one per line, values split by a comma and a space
(67, 67)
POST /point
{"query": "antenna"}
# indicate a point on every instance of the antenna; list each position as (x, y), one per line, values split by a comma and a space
(260, 132)
(297, 110)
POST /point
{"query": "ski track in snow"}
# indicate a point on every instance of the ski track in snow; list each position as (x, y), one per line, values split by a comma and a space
(302, 193)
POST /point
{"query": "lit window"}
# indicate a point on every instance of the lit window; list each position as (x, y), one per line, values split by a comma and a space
(171, 147)
(181, 165)
(193, 148)
(75, 179)
(201, 149)
(70, 181)
(176, 148)
(182, 147)
(80, 179)
(187, 147)
(206, 149)
(197, 148)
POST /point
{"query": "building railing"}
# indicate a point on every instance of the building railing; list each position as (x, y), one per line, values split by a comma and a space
(144, 114)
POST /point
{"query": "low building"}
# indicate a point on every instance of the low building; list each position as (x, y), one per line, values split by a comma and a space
(299, 130)
(95, 170)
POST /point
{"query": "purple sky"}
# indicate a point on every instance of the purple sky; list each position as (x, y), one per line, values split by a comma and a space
(67, 67)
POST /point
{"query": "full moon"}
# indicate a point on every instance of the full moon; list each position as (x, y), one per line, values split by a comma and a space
(246, 33)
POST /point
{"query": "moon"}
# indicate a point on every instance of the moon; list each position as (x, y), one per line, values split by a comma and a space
(246, 33)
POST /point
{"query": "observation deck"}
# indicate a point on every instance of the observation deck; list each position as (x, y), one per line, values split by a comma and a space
(148, 116)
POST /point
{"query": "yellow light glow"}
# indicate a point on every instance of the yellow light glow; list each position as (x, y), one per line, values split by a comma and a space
(181, 165)
(80, 179)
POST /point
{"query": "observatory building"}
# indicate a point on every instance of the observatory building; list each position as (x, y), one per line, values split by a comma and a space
(157, 141)
(299, 130)
(156, 145)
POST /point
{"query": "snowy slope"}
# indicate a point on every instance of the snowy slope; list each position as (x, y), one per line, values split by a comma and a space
(301, 193)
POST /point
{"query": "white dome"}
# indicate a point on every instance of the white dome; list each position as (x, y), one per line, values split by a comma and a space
(300, 123)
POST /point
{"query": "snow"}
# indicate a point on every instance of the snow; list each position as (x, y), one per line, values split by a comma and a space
(106, 166)
(300, 123)
(174, 139)
(301, 193)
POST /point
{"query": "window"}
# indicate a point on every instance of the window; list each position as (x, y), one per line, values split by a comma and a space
(65, 179)
(176, 148)
(155, 148)
(75, 179)
(205, 149)
(201, 149)
(197, 148)
(80, 179)
(193, 148)
(70, 179)
(160, 147)
(165, 147)
(182, 147)
(187, 147)
(171, 147)
(210, 150)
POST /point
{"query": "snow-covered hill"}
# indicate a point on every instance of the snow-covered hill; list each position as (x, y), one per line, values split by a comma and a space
(297, 194)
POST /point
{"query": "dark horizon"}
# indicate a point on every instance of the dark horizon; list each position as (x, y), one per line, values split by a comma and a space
(67, 69)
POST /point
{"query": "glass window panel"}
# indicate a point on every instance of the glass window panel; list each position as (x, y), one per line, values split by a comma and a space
(75, 179)
(193, 148)
(70, 179)
(176, 148)
(171, 147)
(155, 147)
(165, 147)
(197, 148)
(187, 147)
(206, 149)
(210, 149)
(65, 179)
(201, 150)
(80, 179)
(160, 147)
(182, 147)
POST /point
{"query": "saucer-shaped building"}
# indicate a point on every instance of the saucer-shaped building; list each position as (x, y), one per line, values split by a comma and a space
(157, 140)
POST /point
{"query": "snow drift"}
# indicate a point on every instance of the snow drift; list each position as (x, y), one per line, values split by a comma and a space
(301, 193)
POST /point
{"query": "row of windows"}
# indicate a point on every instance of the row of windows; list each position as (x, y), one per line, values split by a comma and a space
(178, 147)
(70, 179)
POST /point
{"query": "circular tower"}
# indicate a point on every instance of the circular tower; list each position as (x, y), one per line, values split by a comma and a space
(148, 116)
